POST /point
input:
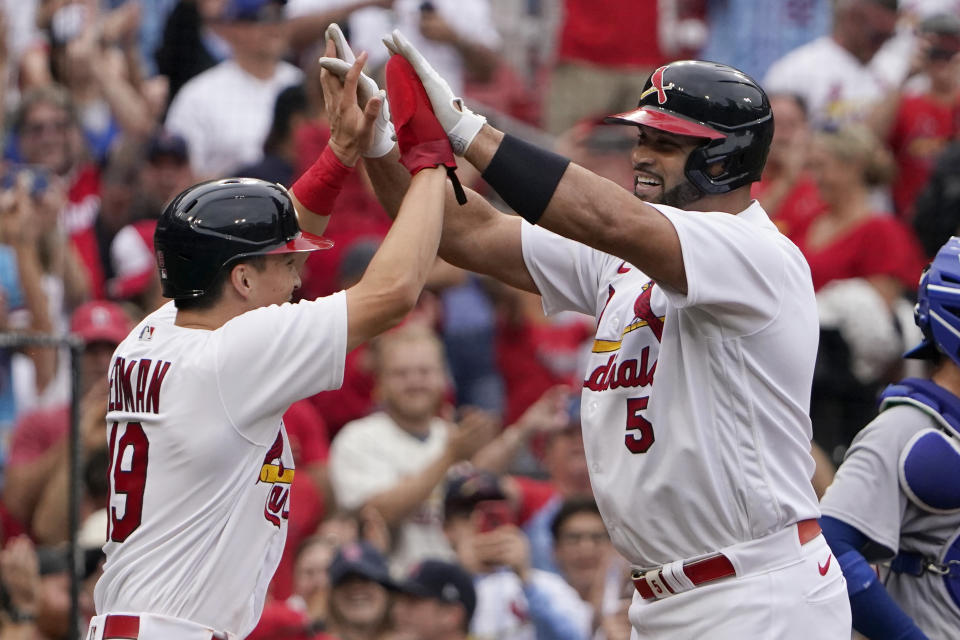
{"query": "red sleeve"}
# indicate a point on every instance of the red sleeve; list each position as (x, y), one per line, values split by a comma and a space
(35, 433)
(533, 495)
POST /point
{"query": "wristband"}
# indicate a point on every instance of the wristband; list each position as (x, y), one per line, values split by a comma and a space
(317, 189)
(525, 176)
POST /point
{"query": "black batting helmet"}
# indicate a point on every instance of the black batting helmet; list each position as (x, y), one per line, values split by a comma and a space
(715, 102)
(215, 223)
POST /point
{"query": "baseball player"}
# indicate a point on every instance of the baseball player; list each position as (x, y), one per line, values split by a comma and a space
(200, 465)
(694, 402)
(895, 499)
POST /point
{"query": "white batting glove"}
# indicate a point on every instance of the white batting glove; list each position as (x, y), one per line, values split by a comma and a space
(384, 135)
(461, 124)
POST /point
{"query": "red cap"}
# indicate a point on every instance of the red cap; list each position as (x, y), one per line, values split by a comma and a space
(100, 321)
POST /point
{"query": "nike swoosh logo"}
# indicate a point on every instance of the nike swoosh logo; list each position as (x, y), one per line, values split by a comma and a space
(825, 567)
(623, 268)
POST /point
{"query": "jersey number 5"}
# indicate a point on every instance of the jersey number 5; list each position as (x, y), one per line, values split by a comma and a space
(639, 436)
(128, 477)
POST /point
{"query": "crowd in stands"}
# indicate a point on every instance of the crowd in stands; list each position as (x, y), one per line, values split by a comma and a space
(443, 491)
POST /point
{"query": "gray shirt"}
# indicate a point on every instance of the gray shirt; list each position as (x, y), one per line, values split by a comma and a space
(866, 494)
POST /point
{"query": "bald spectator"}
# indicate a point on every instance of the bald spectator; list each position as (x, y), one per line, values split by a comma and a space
(833, 73)
(225, 112)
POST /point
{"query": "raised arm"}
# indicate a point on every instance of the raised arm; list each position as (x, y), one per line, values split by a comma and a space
(395, 277)
(549, 190)
(475, 236)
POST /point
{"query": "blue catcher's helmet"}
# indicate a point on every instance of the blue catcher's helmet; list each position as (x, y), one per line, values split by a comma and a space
(938, 305)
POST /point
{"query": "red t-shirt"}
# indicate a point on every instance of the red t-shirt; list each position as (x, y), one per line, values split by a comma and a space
(310, 445)
(611, 33)
(798, 209)
(36, 432)
(880, 245)
(922, 128)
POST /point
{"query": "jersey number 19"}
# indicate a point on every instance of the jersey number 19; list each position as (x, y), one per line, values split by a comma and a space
(128, 478)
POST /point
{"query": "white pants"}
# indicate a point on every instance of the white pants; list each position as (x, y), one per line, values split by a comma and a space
(154, 627)
(778, 593)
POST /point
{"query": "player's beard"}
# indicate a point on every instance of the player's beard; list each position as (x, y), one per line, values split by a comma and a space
(680, 196)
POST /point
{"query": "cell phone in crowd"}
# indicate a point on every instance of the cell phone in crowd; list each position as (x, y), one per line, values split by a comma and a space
(493, 514)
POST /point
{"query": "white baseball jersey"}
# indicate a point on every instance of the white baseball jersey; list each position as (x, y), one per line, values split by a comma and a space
(694, 407)
(200, 466)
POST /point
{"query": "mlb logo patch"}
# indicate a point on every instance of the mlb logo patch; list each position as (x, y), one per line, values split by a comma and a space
(146, 333)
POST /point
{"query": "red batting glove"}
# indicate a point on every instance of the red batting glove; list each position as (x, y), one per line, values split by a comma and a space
(423, 142)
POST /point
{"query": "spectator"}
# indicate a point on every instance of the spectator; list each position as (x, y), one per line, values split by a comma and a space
(851, 239)
(514, 600)
(459, 37)
(189, 46)
(742, 37)
(279, 151)
(919, 125)
(581, 546)
(567, 478)
(787, 189)
(165, 173)
(120, 182)
(224, 113)
(833, 73)
(436, 602)
(395, 460)
(361, 591)
(95, 57)
(938, 205)
(38, 468)
(600, 61)
(47, 135)
(23, 302)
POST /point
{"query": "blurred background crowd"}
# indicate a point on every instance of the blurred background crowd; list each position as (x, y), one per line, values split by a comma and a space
(443, 490)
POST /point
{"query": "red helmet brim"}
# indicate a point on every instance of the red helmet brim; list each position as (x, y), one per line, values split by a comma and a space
(664, 121)
(304, 241)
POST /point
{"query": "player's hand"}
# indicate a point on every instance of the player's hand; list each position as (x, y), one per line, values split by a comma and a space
(338, 62)
(460, 124)
(351, 127)
(422, 141)
(475, 429)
